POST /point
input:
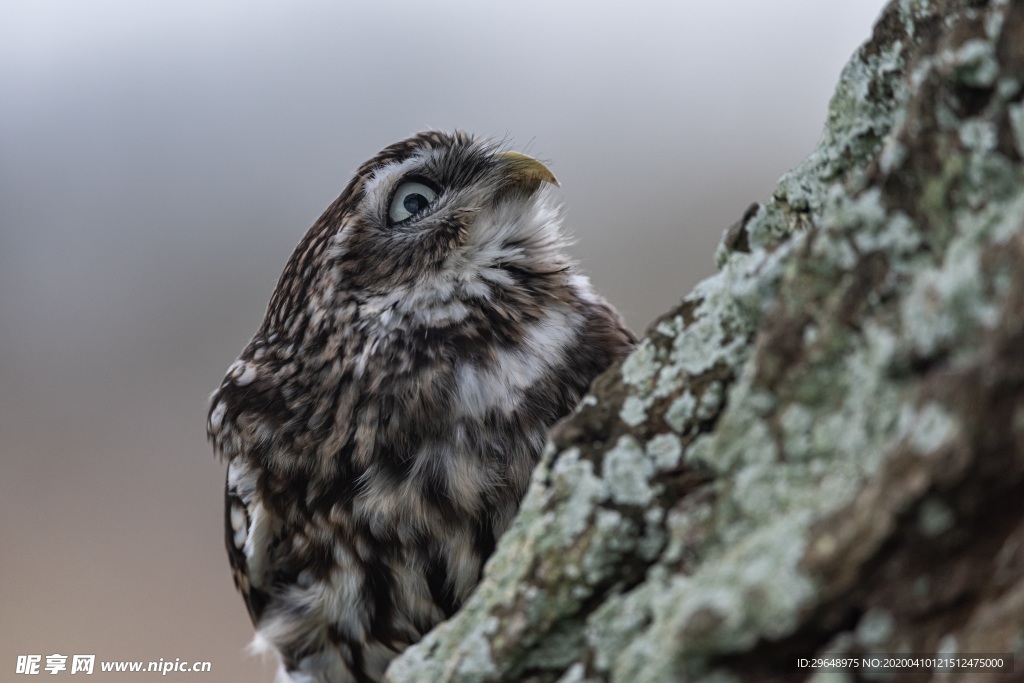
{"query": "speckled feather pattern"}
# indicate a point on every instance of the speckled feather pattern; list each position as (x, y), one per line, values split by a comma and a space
(381, 427)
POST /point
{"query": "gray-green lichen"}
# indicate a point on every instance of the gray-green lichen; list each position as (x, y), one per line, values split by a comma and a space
(752, 460)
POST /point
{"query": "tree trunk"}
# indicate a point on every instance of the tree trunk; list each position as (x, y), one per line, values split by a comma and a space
(820, 450)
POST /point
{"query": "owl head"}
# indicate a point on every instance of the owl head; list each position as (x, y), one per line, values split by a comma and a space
(433, 220)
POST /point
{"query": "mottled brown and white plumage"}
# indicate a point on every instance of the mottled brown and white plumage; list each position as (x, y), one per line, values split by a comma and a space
(381, 427)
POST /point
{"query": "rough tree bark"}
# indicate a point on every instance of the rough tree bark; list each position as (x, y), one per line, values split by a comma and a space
(821, 448)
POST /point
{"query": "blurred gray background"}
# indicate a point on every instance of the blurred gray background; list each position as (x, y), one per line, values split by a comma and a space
(158, 162)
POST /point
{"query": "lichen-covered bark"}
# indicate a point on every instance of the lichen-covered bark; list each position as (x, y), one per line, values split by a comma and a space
(821, 448)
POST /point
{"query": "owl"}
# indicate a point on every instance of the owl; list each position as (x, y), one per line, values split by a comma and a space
(381, 427)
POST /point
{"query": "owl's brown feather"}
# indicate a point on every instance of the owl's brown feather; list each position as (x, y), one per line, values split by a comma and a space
(382, 425)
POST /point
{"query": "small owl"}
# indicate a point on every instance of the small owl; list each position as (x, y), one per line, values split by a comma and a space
(381, 427)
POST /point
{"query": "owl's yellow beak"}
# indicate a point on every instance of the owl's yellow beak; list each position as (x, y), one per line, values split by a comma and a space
(526, 170)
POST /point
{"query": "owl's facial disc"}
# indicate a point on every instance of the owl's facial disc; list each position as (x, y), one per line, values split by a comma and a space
(416, 196)
(451, 219)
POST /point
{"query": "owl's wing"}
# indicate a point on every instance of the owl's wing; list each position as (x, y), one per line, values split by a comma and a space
(249, 533)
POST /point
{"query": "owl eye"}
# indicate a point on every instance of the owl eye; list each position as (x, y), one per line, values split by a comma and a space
(411, 198)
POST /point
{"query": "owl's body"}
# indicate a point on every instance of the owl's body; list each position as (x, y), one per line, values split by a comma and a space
(382, 425)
